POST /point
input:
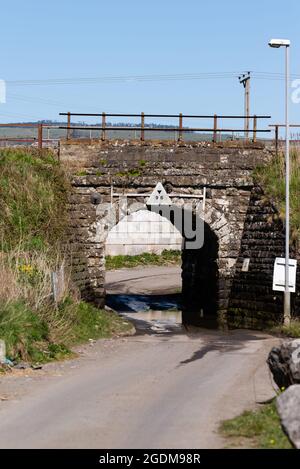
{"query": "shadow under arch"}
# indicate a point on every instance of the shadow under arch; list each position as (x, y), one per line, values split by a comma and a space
(200, 281)
(199, 265)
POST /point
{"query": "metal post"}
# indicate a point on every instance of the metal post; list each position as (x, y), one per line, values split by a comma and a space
(180, 128)
(276, 139)
(204, 199)
(142, 126)
(40, 136)
(287, 295)
(69, 125)
(245, 81)
(254, 128)
(215, 128)
(103, 126)
(247, 107)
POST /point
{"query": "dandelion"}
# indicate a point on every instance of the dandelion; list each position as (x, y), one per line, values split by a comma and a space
(26, 268)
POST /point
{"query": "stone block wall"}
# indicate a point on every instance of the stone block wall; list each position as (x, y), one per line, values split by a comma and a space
(238, 219)
(253, 303)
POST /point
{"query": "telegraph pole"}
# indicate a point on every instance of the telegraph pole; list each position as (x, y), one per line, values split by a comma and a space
(245, 81)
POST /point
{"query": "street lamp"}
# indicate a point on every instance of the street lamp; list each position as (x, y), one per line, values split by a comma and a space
(287, 296)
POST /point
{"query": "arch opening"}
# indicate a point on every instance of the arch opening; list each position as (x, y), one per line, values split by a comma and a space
(194, 291)
(200, 281)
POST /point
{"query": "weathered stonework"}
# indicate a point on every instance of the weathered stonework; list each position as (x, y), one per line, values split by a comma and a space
(238, 219)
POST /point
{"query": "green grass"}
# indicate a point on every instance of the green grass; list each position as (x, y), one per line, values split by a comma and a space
(165, 258)
(272, 179)
(33, 193)
(292, 330)
(21, 329)
(30, 337)
(256, 429)
(93, 323)
(135, 172)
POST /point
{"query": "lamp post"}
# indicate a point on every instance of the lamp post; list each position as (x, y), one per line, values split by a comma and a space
(276, 43)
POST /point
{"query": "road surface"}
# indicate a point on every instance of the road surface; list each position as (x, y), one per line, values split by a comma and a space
(148, 295)
(148, 280)
(153, 390)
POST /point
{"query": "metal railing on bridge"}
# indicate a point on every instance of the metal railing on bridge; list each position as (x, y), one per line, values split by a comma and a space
(215, 130)
(35, 136)
(280, 140)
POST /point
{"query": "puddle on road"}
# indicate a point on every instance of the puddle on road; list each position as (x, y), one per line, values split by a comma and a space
(156, 314)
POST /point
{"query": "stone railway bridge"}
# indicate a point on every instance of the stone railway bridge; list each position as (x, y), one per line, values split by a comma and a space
(230, 277)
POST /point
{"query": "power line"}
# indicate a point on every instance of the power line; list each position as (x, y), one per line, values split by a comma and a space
(145, 78)
(123, 78)
(50, 102)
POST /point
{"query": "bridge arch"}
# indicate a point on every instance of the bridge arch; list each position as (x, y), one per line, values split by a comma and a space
(199, 263)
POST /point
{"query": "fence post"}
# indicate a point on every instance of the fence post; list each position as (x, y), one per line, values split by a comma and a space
(276, 139)
(58, 284)
(215, 128)
(40, 136)
(180, 128)
(254, 128)
(69, 126)
(142, 126)
(103, 126)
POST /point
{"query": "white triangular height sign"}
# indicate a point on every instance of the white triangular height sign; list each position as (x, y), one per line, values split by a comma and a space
(159, 196)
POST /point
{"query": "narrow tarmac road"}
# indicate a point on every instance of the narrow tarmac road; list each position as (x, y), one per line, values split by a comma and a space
(155, 390)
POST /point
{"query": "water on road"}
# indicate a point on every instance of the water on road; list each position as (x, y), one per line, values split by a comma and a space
(149, 296)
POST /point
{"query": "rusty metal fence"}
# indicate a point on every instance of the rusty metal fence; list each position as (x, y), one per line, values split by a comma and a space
(280, 141)
(38, 134)
(37, 138)
(141, 128)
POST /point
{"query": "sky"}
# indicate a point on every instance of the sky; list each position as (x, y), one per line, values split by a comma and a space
(72, 40)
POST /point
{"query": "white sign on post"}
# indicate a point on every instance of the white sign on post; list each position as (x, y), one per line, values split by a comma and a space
(279, 274)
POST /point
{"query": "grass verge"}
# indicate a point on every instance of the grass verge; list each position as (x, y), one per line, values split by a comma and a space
(33, 197)
(256, 429)
(33, 192)
(30, 336)
(292, 330)
(165, 258)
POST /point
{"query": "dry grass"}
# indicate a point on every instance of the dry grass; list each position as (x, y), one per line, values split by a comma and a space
(292, 330)
(33, 195)
(33, 327)
(25, 275)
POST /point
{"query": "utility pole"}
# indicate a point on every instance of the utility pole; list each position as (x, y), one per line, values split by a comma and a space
(245, 81)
